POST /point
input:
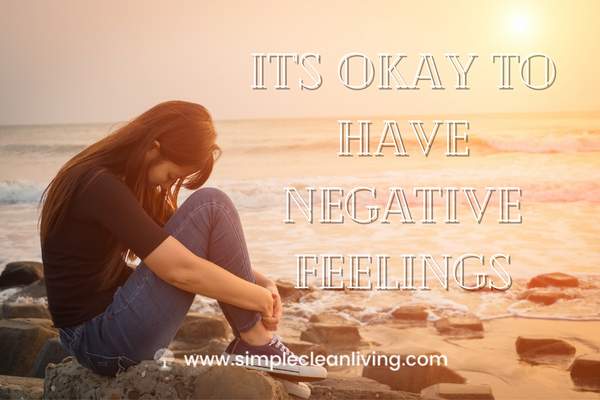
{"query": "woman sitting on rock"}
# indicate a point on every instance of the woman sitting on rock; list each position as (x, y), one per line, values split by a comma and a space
(116, 200)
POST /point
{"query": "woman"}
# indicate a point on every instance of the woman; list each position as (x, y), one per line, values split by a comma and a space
(116, 200)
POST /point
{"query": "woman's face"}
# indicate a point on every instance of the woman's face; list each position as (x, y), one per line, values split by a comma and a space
(165, 173)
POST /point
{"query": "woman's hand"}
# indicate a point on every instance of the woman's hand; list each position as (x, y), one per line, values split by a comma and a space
(271, 322)
(269, 313)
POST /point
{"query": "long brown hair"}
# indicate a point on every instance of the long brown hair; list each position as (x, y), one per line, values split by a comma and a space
(187, 137)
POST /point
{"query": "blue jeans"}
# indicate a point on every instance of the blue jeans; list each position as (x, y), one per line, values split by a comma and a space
(146, 312)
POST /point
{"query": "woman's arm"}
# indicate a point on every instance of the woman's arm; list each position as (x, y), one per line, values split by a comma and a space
(265, 282)
(178, 266)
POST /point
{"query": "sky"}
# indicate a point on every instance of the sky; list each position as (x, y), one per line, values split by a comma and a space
(68, 61)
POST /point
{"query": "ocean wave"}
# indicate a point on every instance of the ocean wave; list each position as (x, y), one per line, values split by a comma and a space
(572, 143)
(21, 191)
(23, 149)
(565, 184)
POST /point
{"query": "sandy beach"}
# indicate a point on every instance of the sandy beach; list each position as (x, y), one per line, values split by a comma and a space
(490, 360)
(494, 361)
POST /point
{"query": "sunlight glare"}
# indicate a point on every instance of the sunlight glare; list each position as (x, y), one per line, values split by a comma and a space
(520, 23)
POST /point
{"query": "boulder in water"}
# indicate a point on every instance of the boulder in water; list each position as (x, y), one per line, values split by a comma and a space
(21, 339)
(546, 297)
(24, 310)
(556, 279)
(585, 371)
(411, 313)
(467, 327)
(21, 273)
(532, 346)
(287, 290)
(331, 334)
(35, 290)
(202, 327)
(332, 319)
(456, 391)
(416, 377)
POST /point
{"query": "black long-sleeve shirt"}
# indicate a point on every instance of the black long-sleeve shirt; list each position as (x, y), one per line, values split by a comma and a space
(105, 210)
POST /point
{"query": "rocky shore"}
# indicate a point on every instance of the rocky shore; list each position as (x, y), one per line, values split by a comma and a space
(484, 359)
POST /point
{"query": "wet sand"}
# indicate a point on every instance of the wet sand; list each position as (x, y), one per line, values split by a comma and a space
(493, 359)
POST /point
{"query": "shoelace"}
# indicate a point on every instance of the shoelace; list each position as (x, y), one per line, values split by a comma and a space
(278, 344)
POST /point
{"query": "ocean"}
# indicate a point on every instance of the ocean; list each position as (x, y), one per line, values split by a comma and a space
(553, 158)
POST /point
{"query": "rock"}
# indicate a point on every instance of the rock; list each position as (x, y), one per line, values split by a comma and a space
(69, 380)
(329, 393)
(585, 371)
(20, 342)
(342, 387)
(556, 279)
(310, 297)
(16, 387)
(332, 319)
(197, 327)
(287, 290)
(21, 273)
(412, 378)
(546, 297)
(36, 290)
(52, 352)
(470, 327)
(347, 307)
(531, 346)
(340, 380)
(217, 383)
(411, 313)
(302, 348)
(24, 310)
(331, 334)
(456, 391)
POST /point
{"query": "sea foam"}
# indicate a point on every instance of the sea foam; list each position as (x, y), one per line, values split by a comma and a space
(21, 191)
(571, 143)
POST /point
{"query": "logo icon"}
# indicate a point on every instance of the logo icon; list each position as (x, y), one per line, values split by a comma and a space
(164, 356)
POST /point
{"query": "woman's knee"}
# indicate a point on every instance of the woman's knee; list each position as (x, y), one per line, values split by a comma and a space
(210, 195)
(205, 207)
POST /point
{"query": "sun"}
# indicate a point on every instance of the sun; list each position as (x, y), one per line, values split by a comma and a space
(520, 23)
